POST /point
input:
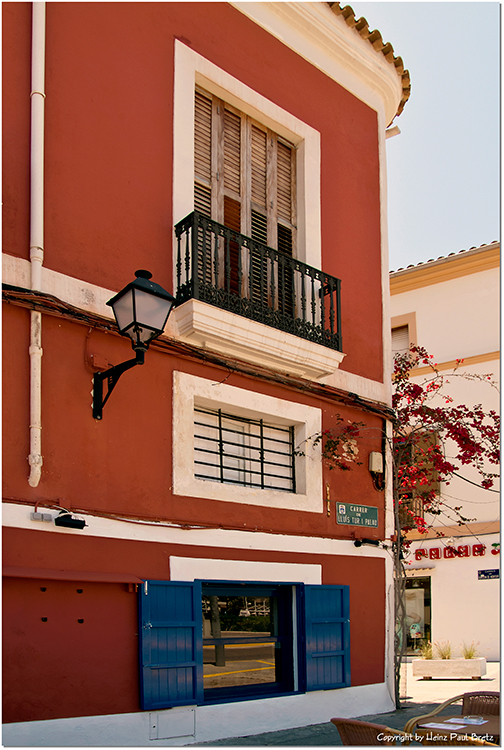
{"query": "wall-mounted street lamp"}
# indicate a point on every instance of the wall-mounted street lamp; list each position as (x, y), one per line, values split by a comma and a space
(141, 310)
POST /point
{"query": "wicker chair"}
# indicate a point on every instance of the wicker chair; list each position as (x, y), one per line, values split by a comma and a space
(354, 732)
(481, 703)
(472, 703)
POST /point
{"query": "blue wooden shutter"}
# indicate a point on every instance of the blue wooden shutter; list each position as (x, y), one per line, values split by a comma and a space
(327, 610)
(171, 645)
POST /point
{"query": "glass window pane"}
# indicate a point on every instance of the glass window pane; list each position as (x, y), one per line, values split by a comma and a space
(238, 665)
(240, 662)
(151, 310)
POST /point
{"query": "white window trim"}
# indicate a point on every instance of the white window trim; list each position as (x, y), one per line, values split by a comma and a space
(209, 569)
(189, 390)
(191, 69)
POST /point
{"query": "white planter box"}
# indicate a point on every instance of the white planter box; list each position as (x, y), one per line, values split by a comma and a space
(461, 669)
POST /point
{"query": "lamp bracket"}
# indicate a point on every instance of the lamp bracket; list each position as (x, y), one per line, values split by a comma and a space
(111, 375)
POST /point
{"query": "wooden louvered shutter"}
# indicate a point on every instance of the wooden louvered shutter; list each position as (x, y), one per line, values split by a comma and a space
(203, 179)
(258, 270)
(244, 179)
(258, 168)
(232, 218)
(284, 197)
(232, 153)
(284, 228)
(427, 441)
(202, 153)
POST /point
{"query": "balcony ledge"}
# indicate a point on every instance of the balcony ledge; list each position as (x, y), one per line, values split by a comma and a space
(225, 332)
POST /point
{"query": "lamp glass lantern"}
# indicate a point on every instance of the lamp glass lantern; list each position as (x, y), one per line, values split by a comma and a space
(141, 310)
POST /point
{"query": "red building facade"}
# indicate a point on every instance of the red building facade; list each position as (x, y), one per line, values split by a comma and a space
(238, 154)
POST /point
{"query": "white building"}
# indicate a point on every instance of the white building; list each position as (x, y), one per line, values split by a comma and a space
(450, 306)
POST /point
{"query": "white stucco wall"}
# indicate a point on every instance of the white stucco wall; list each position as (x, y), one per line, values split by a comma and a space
(459, 318)
(464, 608)
(456, 318)
(187, 725)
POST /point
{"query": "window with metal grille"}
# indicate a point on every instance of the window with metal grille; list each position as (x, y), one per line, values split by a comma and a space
(238, 450)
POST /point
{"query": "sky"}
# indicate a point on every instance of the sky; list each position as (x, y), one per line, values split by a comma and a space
(443, 169)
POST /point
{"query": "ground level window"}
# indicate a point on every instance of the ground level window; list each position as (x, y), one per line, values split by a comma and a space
(247, 640)
(418, 613)
(205, 641)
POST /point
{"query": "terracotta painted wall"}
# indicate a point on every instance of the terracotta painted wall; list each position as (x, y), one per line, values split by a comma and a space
(56, 666)
(108, 145)
(109, 111)
(122, 464)
(16, 74)
(73, 668)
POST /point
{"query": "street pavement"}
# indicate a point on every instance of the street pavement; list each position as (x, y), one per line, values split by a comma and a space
(421, 697)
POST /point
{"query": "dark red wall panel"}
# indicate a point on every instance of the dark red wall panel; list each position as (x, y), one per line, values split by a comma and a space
(16, 88)
(70, 649)
(73, 669)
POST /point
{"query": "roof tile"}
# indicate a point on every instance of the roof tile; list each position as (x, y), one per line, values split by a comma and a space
(375, 39)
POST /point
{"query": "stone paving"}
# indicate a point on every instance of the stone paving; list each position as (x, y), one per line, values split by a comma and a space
(421, 697)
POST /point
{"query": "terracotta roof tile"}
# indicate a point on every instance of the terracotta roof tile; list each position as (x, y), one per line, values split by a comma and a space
(449, 255)
(375, 39)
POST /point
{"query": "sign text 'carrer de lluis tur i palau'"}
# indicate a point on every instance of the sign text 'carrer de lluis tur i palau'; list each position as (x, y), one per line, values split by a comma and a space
(357, 515)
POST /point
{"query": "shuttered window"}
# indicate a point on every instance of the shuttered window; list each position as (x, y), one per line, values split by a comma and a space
(175, 642)
(412, 502)
(400, 340)
(245, 174)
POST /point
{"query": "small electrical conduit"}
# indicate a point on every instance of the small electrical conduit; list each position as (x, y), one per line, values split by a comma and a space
(37, 97)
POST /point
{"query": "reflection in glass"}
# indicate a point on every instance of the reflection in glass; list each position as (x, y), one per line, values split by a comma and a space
(240, 641)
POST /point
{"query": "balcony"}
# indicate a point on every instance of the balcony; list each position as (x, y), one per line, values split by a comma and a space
(241, 276)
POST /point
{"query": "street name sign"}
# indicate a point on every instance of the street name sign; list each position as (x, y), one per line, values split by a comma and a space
(353, 514)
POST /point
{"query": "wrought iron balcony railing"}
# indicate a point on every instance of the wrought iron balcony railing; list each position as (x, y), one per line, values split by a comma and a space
(239, 274)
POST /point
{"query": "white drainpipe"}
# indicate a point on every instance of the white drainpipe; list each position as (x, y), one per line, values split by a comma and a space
(36, 234)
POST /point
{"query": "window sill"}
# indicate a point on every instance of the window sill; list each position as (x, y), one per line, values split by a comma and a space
(210, 327)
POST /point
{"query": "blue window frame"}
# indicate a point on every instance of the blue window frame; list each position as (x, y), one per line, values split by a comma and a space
(183, 646)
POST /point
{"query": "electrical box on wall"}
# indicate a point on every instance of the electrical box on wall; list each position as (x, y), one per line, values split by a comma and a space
(69, 521)
(376, 463)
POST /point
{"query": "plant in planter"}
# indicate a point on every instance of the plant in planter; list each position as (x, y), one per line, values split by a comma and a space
(469, 651)
(443, 649)
(471, 666)
(425, 649)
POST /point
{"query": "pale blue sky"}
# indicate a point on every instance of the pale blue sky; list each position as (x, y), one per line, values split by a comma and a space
(443, 169)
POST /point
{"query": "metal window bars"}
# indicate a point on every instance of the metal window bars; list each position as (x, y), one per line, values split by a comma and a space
(248, 452)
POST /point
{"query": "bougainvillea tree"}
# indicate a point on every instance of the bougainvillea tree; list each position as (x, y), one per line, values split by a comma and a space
(432, 439)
